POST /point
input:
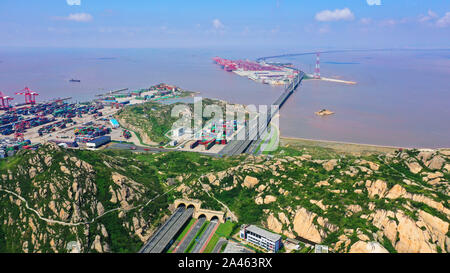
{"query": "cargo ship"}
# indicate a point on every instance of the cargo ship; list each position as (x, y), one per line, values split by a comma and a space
(73, 80)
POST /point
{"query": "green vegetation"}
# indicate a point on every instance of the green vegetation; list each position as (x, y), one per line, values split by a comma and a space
(223, 231)
(388, 245)
(155, 119)
(197, 236)
(226, 229)
(212, 243)
(3, 246)
(119, 239)
(303, 249)
(295, 175)
(62, 172)
(270, 142)
(343, 186)
(185, 230)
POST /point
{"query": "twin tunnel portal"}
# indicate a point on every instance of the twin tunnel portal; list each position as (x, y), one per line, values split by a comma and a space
(185, 210)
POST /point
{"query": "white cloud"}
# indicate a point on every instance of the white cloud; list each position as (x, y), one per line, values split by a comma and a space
(217, 24)
(444, 21)
(73, 2)
(430, 16)
(374, 2)
(336, 15)
(79, 17)
(433, 19)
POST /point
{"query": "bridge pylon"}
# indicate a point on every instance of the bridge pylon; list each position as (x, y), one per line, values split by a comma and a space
(317, 70)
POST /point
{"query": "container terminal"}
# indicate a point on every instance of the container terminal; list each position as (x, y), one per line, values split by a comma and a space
(273, 73)
(71, 125)
(91, 125)
(267, 73)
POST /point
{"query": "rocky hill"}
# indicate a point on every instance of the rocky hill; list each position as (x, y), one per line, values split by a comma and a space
(107, 201)
(52, 197)
(57, 200)
(396, 202)
(152, 121)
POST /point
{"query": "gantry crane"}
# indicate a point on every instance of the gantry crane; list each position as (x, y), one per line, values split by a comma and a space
(5, 105)
(30, 96)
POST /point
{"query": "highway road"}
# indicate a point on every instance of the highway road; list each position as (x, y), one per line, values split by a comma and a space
(165, 235)
(143, 149)
(190, 236)
(127, 146)
(161, 231)
(219, 245)
(170, 234)
(263, 142)
(204, 237)
(236, 147)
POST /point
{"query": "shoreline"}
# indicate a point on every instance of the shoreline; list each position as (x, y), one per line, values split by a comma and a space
(348, 146)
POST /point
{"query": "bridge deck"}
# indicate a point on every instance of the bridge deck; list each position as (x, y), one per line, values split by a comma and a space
(236, 147)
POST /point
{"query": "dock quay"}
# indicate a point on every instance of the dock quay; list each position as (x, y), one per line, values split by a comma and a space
(73, 125)
(112, 92)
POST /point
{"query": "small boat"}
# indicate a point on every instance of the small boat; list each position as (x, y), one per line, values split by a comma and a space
(73, 80)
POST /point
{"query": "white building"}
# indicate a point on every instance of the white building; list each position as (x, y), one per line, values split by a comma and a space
(178, 132)
(261, 237)
(320, 249)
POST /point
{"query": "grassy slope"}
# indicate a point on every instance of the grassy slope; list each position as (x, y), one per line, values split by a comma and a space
(155, 119)
(154, 169)
(242, 200)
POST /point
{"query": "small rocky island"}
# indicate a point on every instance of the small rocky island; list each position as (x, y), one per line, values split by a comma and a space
(324, 112)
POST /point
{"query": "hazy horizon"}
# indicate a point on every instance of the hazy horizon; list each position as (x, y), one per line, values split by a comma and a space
(180, 24)
(386, 107)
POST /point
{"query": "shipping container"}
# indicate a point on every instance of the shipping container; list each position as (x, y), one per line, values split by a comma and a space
(195, 144)
(210, 145)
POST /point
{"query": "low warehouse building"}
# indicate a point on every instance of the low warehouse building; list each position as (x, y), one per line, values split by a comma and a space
(95, 143)
(114, 123)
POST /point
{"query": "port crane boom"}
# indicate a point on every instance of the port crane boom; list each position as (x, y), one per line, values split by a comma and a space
(5, 101)
(30, 96)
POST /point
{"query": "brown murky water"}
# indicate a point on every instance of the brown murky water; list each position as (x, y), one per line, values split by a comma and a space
(402, 97)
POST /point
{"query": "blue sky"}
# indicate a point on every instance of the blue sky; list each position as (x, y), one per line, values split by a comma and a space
(182, 23)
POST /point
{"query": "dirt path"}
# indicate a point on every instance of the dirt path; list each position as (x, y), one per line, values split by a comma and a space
(232, 215)
(51, 221)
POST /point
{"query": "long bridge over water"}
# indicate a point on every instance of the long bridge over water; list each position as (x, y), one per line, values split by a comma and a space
(253, 135)
(327, 51)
